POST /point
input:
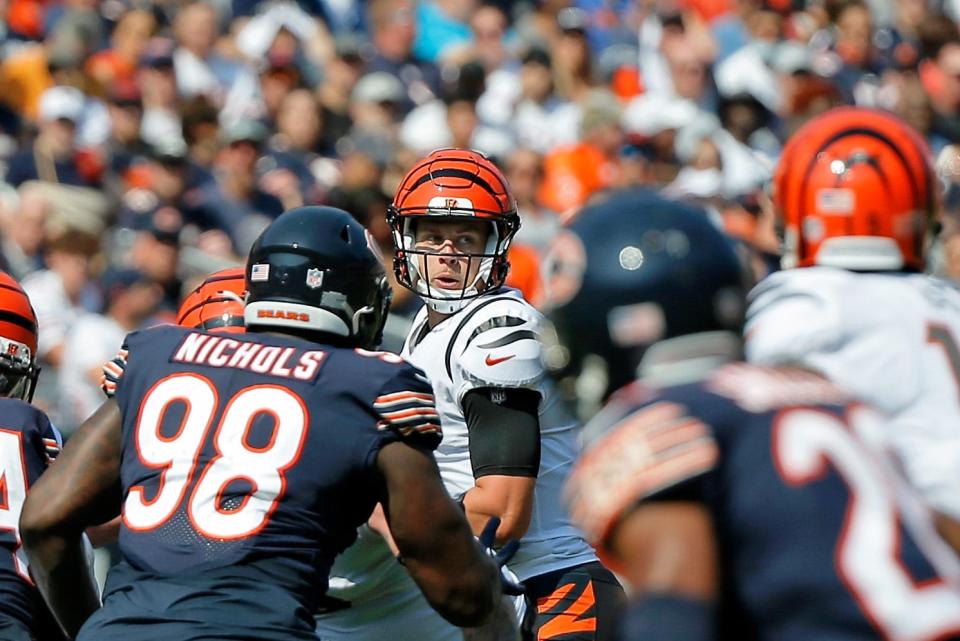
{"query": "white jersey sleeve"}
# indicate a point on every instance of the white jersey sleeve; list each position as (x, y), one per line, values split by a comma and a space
(845, 326)
(498, 346)
(788, 318)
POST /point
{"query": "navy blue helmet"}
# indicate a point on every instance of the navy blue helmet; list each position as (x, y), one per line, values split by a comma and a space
(316, 269)
(628, 272)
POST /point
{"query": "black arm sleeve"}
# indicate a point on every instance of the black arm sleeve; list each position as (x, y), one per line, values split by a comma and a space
(504, 429)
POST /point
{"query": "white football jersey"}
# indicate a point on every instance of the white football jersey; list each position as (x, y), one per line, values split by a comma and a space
(890, 340)
(492, 342)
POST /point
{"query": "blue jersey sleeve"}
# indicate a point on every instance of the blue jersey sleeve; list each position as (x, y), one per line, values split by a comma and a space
(638, 452)
(404, 406)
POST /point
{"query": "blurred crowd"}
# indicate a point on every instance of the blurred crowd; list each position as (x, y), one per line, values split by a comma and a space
(145, 144)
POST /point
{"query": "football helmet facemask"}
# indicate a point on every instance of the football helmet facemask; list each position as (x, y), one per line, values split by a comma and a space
(18, 341)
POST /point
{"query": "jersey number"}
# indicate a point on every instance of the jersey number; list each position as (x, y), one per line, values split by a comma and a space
(235, 459)
(13, 492)
(866, 556)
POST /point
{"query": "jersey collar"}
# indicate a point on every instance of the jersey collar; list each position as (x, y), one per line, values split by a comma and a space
(690, 358)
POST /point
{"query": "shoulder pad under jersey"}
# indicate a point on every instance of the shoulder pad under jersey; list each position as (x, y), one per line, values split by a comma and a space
(497, 345)
(793, 314)
(636, 455)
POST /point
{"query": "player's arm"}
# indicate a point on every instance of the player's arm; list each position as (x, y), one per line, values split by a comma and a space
(434, 539)
(82, 489)
(504, 429)
(637, 493)
(668, 553)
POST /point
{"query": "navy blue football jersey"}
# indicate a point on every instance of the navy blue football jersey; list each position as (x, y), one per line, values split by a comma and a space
(28, 442)
(251, 459)
(819, 537)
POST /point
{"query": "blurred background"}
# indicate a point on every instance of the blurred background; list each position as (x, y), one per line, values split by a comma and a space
(146, 144)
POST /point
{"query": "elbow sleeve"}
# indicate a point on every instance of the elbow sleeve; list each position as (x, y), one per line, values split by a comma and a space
(504, 429)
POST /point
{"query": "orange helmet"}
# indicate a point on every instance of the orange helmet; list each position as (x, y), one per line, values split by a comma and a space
(855, 189)
(453, 183)
(216, 304)
(18, 341)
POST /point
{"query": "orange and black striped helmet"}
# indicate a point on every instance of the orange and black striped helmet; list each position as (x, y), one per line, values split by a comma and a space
(453, 183)
(216, 304)
(18, 341)
(855, 189)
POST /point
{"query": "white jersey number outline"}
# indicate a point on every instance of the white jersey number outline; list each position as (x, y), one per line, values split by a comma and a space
(13, 492)
(235, 458)
(806, 444)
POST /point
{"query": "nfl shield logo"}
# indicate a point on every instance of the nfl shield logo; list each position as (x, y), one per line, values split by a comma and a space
(314, 278)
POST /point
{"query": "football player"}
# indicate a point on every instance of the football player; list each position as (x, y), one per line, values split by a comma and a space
(244, 463)
(741, 502)
(856, 195)
(28, 443)
(507, 446)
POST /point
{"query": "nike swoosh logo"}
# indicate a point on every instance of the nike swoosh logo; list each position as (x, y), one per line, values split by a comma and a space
(493, 361)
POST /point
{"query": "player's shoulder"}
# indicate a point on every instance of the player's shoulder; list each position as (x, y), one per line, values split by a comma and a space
(505, 300)
(757, 389)
(818, 283)
(20, 413)
(799, 312)
(148, 339)
(22, 417)
(370, 374)
(643, 443)
(398, 393)
(939, 293)
(497, 342)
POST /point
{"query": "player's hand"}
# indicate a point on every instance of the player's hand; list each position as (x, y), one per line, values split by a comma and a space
(509, 583)
(112, 371)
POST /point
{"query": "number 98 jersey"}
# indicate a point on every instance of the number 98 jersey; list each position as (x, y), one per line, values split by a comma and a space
(256, 450)
(817, 535)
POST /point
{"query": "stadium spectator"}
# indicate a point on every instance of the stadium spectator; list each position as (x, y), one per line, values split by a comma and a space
(130, 297)
(392, 33)
(24, 225)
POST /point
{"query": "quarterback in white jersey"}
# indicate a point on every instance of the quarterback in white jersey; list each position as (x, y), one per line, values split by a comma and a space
(508, 445)
(854, 187)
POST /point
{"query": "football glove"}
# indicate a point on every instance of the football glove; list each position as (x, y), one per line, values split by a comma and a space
(509, 583)
(110, 376)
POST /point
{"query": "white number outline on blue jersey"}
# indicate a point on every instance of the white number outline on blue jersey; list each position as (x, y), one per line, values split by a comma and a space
(235, 459)
(13, 492)
(806, 443)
